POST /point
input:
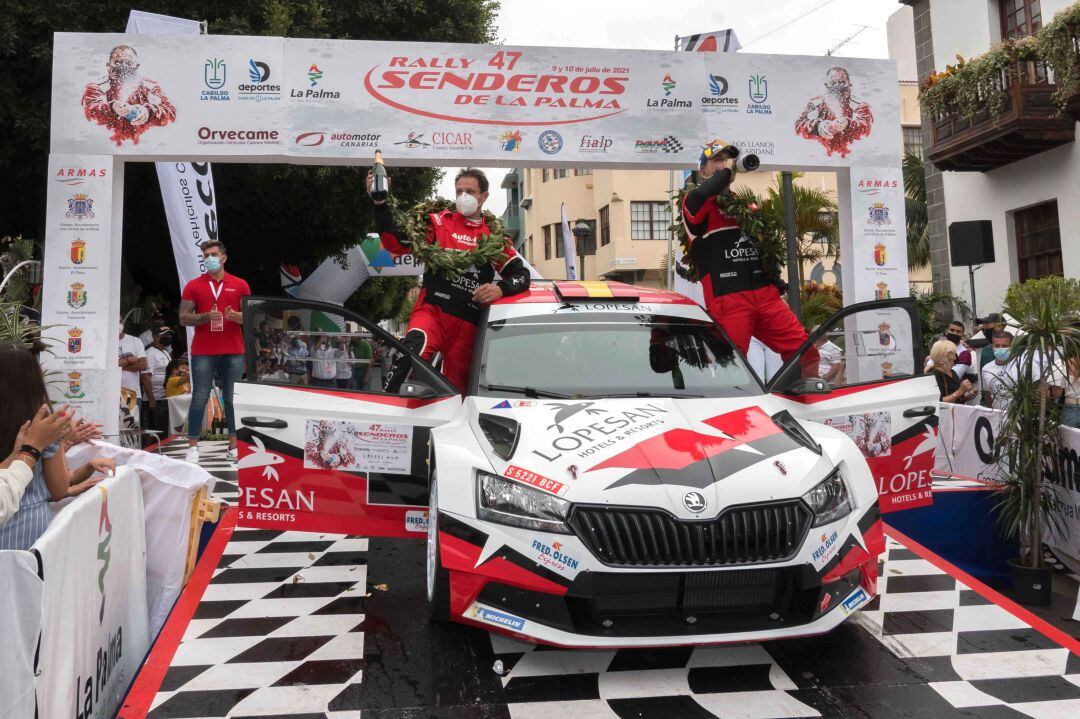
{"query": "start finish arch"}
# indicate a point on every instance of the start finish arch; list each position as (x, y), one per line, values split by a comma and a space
(224, 98)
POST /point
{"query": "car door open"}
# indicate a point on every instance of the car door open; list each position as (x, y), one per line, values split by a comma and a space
(322, 447)
(861, 372)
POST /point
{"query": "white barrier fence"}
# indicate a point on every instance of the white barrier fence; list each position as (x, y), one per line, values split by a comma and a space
(965, 450)
(96, 587)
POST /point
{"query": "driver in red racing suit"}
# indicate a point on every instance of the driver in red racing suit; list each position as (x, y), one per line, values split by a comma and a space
(446, 312)
(739, 295)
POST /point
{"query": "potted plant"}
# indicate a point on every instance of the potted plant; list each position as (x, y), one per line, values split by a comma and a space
(1046, 316)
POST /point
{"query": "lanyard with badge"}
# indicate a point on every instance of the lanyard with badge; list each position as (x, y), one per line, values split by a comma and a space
(217, 321)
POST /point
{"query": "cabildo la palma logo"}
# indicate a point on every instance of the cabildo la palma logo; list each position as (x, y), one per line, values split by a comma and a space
(214, 76)
(758, 86)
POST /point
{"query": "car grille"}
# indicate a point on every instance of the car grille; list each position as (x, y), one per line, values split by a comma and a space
(652, 537)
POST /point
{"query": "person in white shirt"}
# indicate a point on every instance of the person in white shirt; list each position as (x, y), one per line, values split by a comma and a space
(995, 374)
(323, 372)
(133, 363)
(830, 361)
(158, 357)
(344, 354)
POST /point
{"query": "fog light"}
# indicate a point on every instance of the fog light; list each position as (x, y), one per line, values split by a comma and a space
(607, 623)
(691, 620)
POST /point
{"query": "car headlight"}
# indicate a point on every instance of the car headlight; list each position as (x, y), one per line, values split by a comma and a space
(507, 502)
(501, 433)
(829, 499)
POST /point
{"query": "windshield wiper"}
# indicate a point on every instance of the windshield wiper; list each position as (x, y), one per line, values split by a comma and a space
(615, 395)
(527, 391)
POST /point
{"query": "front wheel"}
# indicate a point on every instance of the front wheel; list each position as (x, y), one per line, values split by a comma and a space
(438, 579)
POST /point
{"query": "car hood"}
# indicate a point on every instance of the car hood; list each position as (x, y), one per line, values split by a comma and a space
(654, 451)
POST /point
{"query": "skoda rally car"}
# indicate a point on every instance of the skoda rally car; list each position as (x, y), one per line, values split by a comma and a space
(615, 474)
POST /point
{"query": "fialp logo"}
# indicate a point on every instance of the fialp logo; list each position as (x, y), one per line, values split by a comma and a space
(595, 143)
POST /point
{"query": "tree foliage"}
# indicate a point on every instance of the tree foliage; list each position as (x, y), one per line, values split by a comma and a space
(266, 213)
(918, 232)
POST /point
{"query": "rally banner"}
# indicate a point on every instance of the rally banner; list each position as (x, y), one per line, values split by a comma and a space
(337, 101)
(77, 290)
(94, 629)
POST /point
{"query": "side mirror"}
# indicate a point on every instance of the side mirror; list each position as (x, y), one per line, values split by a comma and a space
(808, 385)
(416, 390)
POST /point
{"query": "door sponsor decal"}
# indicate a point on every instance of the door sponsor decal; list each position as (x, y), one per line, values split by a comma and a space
(871, 432)
(358, 446)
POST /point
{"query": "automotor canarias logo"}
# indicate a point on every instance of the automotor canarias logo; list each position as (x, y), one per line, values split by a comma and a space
(103, 552)
(498, 88)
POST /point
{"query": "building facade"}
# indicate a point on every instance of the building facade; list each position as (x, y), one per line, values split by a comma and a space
(1021, 171)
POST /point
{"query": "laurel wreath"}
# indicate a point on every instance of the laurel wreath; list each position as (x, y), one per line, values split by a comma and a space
(414, 223)
(762, 229)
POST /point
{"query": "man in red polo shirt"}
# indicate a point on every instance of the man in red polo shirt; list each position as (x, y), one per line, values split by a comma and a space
(211, 304)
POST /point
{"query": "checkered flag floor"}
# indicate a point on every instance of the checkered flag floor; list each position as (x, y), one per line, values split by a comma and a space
(331, 627)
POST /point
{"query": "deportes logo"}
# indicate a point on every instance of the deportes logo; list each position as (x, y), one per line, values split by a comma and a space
(550, 142)
(510, 141)
(668, 143)
(718, 99)
(668, 84)
(314, 74)
(694, 501)
(717, 86)
(259, 72)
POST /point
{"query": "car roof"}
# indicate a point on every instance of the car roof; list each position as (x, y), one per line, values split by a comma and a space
(560, 291)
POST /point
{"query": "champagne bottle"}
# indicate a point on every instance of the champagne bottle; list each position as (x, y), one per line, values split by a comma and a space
(379, 186)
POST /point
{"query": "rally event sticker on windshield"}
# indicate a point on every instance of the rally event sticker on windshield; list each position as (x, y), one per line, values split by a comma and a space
(358, 446)
(536, 480)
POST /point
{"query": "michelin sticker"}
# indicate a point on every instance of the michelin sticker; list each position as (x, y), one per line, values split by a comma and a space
(358, 446)
(855, 601)
(499, 619)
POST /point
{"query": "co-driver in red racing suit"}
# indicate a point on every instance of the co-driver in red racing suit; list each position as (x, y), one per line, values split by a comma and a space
(739, 295)
(446, 312)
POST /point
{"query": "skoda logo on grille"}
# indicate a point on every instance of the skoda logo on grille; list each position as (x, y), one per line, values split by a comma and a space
(694, 501)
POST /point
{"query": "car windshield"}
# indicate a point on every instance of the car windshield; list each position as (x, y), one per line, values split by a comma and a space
(611, 355)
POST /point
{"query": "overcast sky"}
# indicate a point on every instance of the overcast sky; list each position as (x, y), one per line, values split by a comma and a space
(653, 25)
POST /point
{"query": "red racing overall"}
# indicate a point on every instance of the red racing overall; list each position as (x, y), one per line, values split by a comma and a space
(443, 321)
(739, 295)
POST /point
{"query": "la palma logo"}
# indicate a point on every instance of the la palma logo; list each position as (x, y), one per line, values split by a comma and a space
(315, 76)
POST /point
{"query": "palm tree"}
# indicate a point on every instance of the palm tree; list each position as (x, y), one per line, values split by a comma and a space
(815, 221)
(918, 233)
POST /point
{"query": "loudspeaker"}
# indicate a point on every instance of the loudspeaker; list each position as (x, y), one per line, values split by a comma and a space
(971, 243)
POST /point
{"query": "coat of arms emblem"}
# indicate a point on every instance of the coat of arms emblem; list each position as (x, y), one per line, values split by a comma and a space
(80, 207)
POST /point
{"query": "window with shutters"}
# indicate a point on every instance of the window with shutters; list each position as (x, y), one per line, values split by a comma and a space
(547, 242)
(605, 225)
(1038, 241)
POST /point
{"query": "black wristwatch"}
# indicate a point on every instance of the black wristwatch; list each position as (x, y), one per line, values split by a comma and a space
(32, 451)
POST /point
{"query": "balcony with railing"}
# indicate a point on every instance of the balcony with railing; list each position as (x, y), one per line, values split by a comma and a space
(511, 218)
(1029, 122)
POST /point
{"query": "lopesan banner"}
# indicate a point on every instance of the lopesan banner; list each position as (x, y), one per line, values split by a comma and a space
(336, 101)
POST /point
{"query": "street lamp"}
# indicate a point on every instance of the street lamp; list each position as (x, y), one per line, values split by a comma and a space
(581, 231)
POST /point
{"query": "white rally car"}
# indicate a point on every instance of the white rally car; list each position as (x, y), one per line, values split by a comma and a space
(615, 474)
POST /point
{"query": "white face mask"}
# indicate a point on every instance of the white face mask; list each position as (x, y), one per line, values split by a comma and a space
(467, 204)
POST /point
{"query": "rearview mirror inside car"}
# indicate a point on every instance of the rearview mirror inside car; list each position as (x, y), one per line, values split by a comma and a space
(417, 390)
(808, 385)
